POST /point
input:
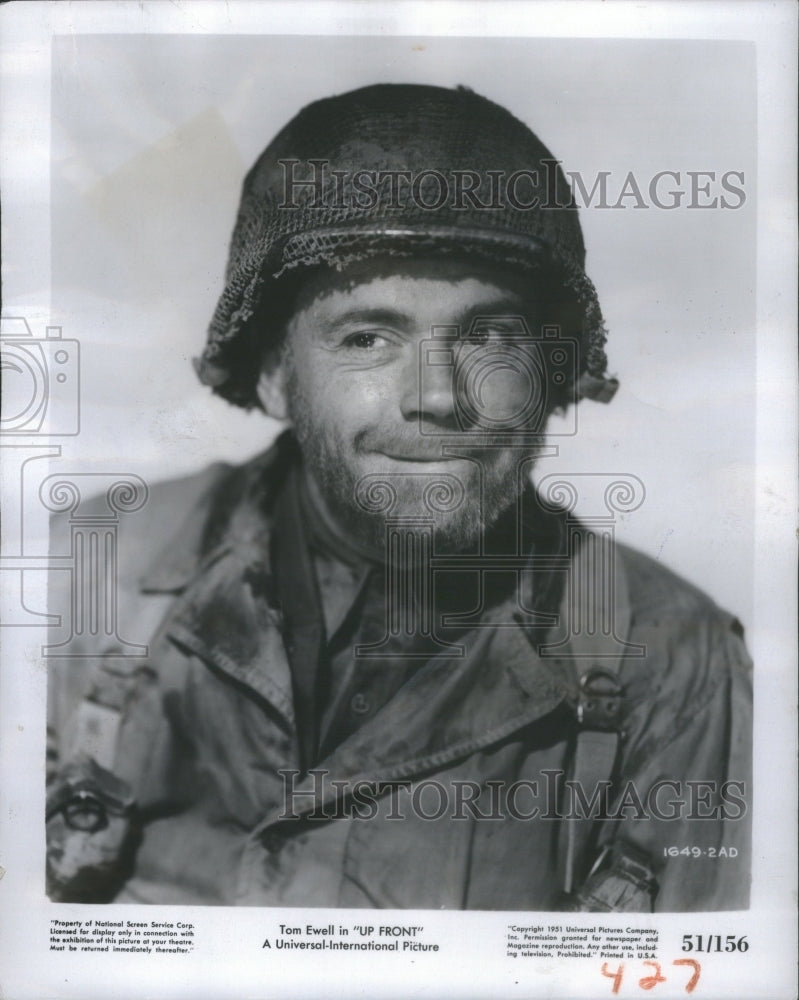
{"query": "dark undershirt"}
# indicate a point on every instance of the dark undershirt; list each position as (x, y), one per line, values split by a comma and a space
(352, 590)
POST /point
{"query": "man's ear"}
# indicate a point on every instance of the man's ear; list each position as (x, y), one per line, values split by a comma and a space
(271, 388)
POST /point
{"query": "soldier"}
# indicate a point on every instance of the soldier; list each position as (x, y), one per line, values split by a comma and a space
(383, 669)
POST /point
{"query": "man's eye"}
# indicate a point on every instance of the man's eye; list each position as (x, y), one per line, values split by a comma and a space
(482, 333)
(364, 340)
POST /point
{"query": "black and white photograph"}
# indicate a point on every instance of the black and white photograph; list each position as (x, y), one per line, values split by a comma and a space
(396, 431)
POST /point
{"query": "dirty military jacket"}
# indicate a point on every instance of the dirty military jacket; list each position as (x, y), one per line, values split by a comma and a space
(452, 795)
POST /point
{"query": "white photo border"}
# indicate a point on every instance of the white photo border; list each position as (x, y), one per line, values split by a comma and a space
(228, 959)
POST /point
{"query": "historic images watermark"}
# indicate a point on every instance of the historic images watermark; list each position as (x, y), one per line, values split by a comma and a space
(318, 184)
(552, 797)
(42, 401)
(41, 381)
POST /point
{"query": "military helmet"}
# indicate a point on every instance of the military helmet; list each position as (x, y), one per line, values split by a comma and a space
(398, 170)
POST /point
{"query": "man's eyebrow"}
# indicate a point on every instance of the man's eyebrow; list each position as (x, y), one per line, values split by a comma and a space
(379, 316)
(511, 304)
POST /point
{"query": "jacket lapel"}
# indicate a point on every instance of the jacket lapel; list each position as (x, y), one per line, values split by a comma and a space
(228, 619)
(218, 564)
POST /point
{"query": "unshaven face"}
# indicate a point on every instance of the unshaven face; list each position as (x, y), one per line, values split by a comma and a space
(413, 388)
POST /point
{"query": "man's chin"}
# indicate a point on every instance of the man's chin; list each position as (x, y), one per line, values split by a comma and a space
(440, 534)
(446, 509)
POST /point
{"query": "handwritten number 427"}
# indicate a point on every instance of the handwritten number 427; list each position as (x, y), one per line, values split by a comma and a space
(649, 982)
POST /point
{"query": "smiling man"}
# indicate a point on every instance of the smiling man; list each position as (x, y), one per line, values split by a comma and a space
(363, 400)
(383, 670)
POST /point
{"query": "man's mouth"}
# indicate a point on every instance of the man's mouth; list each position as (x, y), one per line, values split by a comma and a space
(415, 457)
(420, 457)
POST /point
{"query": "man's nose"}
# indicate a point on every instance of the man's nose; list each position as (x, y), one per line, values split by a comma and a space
(428, 386)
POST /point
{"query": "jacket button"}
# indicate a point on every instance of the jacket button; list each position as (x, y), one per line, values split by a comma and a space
(360, 704)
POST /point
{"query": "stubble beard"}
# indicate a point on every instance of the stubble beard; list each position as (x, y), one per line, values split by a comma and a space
(360, 504)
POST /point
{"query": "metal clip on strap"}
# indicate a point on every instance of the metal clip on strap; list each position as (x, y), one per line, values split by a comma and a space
(599, 701)
(620, 881)
(598, 714)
